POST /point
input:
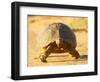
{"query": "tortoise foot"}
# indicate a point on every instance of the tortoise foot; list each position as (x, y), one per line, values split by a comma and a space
(75, 54)
(76, 57)
(43, 59)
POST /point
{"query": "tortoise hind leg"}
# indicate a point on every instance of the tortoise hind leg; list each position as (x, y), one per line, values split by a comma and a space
(72, 50)
(74, 53)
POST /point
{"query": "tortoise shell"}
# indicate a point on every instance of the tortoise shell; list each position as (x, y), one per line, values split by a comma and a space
(57, 31)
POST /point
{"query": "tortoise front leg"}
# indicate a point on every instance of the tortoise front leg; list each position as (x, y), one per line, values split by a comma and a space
(48, 50)
(45, 55)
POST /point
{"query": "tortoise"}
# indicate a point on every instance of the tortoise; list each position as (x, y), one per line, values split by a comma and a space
(58, 38)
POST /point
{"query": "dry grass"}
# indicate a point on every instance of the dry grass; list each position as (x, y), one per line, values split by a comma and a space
(36, 24)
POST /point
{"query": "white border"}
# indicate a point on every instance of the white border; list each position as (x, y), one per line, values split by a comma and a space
(24, 70)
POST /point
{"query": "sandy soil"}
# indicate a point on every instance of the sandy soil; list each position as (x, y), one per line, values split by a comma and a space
(36, 24)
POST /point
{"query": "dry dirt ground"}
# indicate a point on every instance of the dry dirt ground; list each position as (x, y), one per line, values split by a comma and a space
(36, 24)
